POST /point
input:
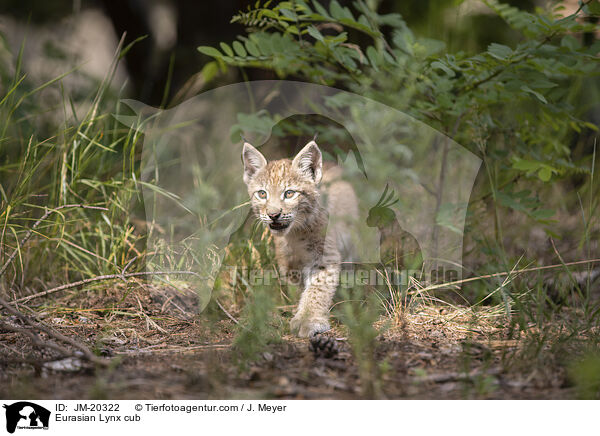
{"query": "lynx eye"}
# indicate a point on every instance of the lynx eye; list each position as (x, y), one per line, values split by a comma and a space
(262, 194)
(290, 193)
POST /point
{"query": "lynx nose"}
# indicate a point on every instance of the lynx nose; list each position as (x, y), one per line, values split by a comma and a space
(274, 215)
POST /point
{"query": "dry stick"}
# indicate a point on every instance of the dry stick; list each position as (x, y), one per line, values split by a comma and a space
(455, 376)
(34, 338)
(53, 334)
(185, 349)
(149, 273)
(128, 264)
(501, 274)
(116, 277)
(226, 313)
(12, 350)
(100, 278)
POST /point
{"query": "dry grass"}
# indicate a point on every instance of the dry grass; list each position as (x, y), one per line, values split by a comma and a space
(439, 351)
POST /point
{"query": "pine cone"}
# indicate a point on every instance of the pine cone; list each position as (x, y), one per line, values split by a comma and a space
(323, 346)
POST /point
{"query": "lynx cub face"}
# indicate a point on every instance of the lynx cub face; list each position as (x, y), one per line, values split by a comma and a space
(285, 197)
(283, 193)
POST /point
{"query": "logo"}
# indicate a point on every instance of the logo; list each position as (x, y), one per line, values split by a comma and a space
(412, 182)
(26, 415)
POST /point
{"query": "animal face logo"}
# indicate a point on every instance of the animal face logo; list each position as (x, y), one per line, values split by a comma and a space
(191, 178)
(26, 415)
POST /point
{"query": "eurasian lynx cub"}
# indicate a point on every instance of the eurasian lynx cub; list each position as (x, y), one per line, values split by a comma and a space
(285, 197)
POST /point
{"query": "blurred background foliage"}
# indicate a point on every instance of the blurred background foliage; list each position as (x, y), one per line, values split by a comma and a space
(517, 86)
(516, 83)
(174, 28)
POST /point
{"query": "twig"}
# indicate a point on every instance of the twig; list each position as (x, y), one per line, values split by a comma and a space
(100, 278)
(512, 62)
(34, 338)
(506, 273)
(87, 354)
(230, 316)
(226, 313)
(128, 265)
(12, 350)
(185, 349)
(151, 323)
(286, 307)
(428, 189)
(455, 376)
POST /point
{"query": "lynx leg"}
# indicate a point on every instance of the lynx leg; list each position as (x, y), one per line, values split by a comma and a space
(313, 309)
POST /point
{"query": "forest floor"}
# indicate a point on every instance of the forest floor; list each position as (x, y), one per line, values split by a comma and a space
(161, 352)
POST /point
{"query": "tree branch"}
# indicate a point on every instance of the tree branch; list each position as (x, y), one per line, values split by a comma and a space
(100, 278)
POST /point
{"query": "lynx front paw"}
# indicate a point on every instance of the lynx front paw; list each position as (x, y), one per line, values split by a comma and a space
(305, 327)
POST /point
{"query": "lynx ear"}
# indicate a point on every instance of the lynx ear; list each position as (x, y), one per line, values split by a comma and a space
(253, 161)
(309, 162)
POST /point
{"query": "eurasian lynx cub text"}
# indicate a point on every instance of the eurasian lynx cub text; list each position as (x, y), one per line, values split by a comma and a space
(285, 197)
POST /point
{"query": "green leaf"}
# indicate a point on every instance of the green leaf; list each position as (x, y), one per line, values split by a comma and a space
(570, 42)
(226, 49)
(269, 14)
(344, 59)
(338, 39)
(210, 51)
(365, 22)
(507, 200)
(130, 45)
(277, 42)
(338, 12)
(210, 71)
(444, 68)
(373, 57)
(499, 51)
(288, 14)
(239, 49)
(525, 165)
(539, 96)
(314, 32)
(545, 174)
(321, 10)
(252, 48)
(351, 23)
(593, 7)
(542, 214)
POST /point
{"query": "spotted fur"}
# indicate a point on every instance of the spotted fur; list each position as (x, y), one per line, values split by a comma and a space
(299, 224)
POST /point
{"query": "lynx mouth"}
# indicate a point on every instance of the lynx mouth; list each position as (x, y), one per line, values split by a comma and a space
(279, 226)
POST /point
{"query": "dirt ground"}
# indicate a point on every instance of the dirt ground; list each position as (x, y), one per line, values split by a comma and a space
(160, 351)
